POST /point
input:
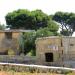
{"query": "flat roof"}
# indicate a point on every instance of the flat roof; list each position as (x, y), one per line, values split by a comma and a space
(16, 30)
(54, 37)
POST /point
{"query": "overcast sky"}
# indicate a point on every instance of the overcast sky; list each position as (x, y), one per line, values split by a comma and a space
(47, 6)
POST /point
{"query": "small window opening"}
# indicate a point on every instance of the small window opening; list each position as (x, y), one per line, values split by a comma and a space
(71, 44)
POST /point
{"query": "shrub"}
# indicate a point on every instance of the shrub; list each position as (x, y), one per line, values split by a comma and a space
(11, 52)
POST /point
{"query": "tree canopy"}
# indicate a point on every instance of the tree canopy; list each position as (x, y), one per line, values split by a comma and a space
(67, 21)
(40, 19)
(25, 19)
(19, 19)
(2, 26)
(30, 37)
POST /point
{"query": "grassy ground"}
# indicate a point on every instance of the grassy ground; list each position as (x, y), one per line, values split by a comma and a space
(24, 70)
(23, 73)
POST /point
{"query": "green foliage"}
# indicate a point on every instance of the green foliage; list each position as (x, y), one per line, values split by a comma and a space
(11, 52)
(39, 19)
(43, 32)
(2, 27)
(30, 37)
(65, 32)
(52, 26)
(67, 21)
(29, 42)
(24, 19)
(71, 22)
(18, 19)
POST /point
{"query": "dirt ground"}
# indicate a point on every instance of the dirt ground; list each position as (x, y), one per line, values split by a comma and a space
(15, 73)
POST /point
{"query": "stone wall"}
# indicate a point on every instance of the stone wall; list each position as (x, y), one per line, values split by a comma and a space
(49, 45)
(6, 44)
(69, 48)
(63, 49)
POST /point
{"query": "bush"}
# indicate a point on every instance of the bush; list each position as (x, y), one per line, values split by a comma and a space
(11, 52)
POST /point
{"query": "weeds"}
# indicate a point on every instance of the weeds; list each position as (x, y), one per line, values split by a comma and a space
(25, 69)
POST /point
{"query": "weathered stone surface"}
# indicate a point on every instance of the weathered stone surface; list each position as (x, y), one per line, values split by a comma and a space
(63, 49)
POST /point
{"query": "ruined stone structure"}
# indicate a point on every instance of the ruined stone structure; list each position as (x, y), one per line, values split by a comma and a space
(9, 40)
(55, 50)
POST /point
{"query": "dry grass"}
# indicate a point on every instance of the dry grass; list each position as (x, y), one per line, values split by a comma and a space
(23, 73)
(24, 70)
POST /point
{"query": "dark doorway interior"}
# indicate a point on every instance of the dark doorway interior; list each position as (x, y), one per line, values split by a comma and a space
(49, 57)
(4, 53)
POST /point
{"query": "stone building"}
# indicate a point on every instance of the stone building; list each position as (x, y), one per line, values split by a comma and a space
(9, 40)
(55, 50)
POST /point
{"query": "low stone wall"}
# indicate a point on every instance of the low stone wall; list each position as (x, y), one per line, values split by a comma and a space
(18, 59)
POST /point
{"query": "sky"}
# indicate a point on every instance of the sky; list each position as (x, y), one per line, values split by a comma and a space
(47, 6)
